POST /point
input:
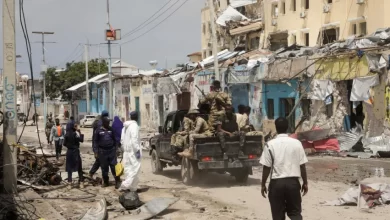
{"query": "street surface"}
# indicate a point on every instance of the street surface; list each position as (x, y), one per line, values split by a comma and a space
(218, 196)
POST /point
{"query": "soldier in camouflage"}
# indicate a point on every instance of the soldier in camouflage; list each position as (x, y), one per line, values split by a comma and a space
(218, 100)
(201, 130)
(179, 139)
(228, 127)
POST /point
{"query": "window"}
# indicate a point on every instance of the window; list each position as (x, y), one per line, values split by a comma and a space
(329, 106)
(275, 10)
(330, 1)
(330, 35)
(306, 4)
(204, 54)
(363, 28)
(210, 53)
(354, 29)
(307, 39)
(168, 124)
(305, 106)
(210, 27)
(242, 10)
(254, 43)
(204, 28)
(270, 109)
(147, 107)
(293, 5)
(283, 7)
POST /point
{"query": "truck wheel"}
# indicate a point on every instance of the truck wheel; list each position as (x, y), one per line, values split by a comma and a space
(156, 163)
(241, 175)
(189, 171)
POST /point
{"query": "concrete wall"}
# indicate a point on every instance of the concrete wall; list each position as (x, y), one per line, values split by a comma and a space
(343, 13)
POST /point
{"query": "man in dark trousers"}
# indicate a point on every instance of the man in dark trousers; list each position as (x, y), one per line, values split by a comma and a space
(105, 145)
(96, 124)
(285, 159)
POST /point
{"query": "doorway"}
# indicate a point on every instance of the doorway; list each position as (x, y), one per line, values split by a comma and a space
(286, 107)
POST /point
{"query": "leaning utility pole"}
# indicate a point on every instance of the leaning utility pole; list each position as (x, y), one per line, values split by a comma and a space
(214, 39)
(110, 98)
(44, 70)
(9, 98)
(87, 77)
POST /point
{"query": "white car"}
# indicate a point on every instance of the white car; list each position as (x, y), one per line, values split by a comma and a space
(87, 121)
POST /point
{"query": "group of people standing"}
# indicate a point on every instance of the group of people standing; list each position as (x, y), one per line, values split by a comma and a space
(222, 122)
(106, 142)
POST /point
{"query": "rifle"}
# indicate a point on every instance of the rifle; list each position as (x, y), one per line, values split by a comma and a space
(206, 106)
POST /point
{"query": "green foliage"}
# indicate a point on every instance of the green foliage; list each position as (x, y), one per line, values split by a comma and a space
(58, 82)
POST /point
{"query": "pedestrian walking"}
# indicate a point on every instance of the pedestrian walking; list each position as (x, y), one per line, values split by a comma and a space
(131, 148)
(57, 134)
(284, 160)
(117, 127)
(49, 126)
(72, 140)
(96, 124)
(106, 148)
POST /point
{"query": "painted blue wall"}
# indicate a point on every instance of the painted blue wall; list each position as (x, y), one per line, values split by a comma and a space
(276, 91)
(240, 95)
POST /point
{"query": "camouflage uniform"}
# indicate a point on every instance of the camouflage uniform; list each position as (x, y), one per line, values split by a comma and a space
(217, 100)
(202, 129)
(179, 139)
(222, 135)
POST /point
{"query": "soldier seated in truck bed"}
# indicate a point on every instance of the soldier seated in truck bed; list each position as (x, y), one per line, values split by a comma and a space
(228, 127)
(201, 130)
(179, 140)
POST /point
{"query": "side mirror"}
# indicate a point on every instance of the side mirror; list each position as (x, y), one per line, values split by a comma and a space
(160, 129)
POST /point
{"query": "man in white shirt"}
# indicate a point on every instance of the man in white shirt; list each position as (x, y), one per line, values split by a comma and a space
(285, 159)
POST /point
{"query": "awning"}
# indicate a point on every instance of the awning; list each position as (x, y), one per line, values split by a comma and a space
(92, 80)
(230, 14)
(240, 3)
(333, 24)
(246, 29)
(362, 18)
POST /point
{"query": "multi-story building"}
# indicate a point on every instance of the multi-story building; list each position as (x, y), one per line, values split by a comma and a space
(233, 36)
(315, 22)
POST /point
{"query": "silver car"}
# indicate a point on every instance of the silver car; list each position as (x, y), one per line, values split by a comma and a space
(87, 121)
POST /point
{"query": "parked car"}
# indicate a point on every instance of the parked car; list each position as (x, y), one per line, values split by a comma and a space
(87, 121)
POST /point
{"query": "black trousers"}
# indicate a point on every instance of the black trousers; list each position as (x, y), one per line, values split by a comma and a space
(58, 144)
(95, 167)
(108, 161)
(285, 197)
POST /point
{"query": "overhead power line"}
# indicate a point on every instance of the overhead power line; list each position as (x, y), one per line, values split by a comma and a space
(139, 27)
(131, 40)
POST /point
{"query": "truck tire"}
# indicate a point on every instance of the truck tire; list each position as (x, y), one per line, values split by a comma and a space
(156, 163)
(189, 171)
(241, 175)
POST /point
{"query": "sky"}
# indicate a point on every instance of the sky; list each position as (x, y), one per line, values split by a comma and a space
(77, 22)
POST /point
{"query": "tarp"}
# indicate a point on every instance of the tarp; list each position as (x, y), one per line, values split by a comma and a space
(240, 3)
(230, 14)
(241, 74)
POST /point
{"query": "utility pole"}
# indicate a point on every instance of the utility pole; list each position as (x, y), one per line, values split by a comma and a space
(214, 39)
(87, 78)
(110, 98)
(9, 97)
(44, 70)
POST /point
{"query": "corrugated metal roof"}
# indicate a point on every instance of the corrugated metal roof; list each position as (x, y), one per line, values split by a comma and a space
(92, 80)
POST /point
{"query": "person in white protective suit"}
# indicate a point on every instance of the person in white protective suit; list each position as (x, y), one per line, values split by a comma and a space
(131, 149)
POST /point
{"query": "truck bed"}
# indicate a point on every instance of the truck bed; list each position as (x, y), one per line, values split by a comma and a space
(211, 147)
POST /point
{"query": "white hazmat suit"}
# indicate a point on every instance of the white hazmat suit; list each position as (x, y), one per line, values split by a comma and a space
(130, 146)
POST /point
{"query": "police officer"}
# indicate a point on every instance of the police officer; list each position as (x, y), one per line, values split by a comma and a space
(96, 124)
(106, 148)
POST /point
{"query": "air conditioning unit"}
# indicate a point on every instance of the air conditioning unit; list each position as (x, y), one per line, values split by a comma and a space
(302, 14)
(274, 21)
(326, 8)
(360, 2)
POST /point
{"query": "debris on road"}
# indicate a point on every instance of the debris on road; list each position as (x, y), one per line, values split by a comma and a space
(130, 200)
(97, 212)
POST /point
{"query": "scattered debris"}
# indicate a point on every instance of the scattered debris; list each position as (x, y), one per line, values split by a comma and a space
(130, 200)
(98, 212)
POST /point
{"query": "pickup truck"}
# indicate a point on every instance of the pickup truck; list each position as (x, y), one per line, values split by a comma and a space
(208, 155)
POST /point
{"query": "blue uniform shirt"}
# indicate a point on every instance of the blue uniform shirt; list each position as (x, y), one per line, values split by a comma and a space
(104, 139)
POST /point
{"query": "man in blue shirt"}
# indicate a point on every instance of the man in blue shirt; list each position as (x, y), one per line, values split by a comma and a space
(105, 145)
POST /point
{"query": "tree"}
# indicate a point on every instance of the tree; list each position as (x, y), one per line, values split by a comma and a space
(58, 82)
